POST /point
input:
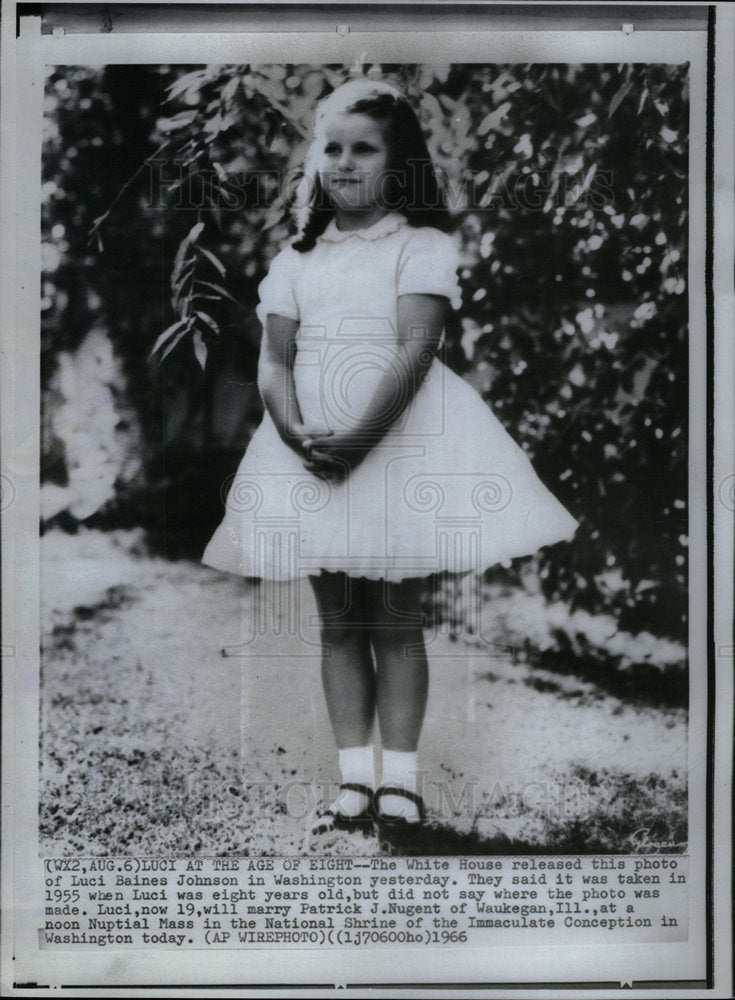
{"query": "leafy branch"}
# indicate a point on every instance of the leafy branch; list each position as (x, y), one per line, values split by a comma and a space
(188, 293)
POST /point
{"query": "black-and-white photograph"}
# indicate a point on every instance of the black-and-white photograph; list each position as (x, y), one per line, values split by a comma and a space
(400, 354)
(366, 496)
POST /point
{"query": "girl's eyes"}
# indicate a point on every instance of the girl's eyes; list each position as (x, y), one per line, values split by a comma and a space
(332, 149)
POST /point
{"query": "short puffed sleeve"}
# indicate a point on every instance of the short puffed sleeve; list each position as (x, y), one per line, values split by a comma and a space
(428, 265)
(277, 291)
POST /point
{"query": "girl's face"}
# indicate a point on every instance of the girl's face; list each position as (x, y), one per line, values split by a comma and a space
(352, 162)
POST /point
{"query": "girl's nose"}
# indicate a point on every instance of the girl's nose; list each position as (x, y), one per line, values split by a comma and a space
(345, 160)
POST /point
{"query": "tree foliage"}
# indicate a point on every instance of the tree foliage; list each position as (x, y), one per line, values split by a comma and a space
(569, 186)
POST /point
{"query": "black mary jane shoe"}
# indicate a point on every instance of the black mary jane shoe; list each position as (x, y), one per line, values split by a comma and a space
(398, 827)
(331, 819)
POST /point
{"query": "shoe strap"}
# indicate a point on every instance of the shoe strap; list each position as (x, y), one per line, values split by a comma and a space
(331, 816)
(353, 786)
(405, 792)
(350, 786)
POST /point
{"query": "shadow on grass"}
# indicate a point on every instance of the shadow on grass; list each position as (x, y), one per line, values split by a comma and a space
(576, 838)
(638, 683)
(636, 816)
(438, 839)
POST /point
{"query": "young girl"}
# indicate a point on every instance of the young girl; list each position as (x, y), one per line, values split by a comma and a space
(375, 466)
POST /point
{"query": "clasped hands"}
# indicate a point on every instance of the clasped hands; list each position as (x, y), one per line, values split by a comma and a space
(330, 455)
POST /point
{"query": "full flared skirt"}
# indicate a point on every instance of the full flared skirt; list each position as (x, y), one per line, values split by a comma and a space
(446, 489)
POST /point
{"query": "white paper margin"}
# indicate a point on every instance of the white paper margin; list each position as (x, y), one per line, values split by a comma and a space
(20, 306)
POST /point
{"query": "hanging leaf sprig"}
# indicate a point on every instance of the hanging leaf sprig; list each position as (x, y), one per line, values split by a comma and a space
(189, 292)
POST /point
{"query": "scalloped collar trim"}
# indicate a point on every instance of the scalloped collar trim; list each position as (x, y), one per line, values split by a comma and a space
(390, 223)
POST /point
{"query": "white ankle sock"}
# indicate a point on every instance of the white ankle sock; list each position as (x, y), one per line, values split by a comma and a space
(356, 765)
(400, 768)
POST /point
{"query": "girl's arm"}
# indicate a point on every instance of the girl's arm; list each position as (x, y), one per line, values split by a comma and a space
(420, 325)
(276, 381)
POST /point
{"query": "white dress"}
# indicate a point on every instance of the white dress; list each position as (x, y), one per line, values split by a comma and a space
(446, 488)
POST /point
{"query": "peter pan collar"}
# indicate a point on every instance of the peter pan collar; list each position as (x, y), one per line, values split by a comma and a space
(389, 223)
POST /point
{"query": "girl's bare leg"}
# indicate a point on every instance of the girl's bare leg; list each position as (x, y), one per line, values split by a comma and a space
(348, 678)
(402, 685)
(347, 664)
